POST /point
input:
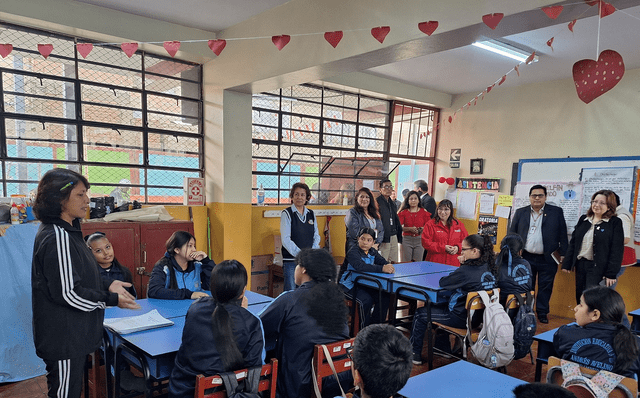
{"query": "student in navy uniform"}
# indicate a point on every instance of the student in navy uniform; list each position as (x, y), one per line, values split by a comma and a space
(109, 266)
(515, 271)
(298, 230)
(381, 361)
(182, 272)
(68, 294)
(599, 340)
(363, 257)
(297, 320)
(478, 271)
(219, 334)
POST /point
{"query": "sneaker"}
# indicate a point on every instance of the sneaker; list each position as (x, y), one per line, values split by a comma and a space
(417, 359)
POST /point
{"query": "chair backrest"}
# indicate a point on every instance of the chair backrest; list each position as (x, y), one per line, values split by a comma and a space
(474, 303)
(628, 387)
(512, 302)
(338, 352)
(268, 379)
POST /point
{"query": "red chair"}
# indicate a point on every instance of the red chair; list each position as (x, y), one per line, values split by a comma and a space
(321, 366)
(268, 379)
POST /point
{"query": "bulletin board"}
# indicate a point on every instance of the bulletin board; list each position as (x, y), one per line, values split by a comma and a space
(568, 169)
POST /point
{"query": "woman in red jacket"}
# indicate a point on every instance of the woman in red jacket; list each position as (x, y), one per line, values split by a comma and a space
(443, 236)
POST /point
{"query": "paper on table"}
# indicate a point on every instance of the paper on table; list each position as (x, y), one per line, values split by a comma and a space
(503, 211)
(150, 320)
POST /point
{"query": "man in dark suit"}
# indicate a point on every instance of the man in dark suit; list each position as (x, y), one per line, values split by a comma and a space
(390, 222)
(544, 230)
(427, 201)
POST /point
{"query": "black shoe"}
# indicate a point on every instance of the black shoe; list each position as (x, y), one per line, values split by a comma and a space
(543, 318)
(417, 359)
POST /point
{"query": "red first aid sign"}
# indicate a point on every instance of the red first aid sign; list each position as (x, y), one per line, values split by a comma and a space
(194, 191)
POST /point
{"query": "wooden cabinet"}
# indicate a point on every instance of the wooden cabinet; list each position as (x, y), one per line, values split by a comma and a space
(138, 245)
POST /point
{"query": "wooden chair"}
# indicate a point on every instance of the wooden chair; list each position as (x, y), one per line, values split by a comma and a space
(354, 317)
(268, 381)
(474, 303)
(512, 304)
(628, 387)
(341, 361)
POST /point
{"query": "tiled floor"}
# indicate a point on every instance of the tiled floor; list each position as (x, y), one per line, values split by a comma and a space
(522, 369)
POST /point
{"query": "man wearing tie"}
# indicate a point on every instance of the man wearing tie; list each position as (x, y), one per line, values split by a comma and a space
(544, 230)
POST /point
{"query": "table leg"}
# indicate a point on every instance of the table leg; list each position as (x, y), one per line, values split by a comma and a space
(538, 370)
(393, 305)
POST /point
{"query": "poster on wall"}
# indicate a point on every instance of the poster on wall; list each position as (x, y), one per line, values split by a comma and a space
(486, 203)
(488, 226)
(467, 205)
(566, 195)
(617, 179)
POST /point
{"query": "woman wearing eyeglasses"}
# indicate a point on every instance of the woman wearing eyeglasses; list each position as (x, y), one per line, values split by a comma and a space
(442, 236)
(597, 244)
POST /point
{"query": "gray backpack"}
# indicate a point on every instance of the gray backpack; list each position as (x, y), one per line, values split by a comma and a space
(494, 347)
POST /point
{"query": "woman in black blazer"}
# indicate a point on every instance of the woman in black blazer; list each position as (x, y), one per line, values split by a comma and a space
(598, 262)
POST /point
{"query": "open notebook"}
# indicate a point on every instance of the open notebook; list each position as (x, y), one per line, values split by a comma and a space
(130, 324)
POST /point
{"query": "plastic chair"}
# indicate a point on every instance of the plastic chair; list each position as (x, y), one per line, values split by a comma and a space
(268, 381)
(341, 362)
(628, 387)
(474, 303)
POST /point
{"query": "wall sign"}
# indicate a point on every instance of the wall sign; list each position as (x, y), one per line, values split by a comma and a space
(480, 184)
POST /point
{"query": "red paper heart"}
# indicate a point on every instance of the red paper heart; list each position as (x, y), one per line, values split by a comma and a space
(450, 181)
(84, 49)
(530, 58)
(450, 119)
(502, 80)
(442, 180)
(333, 38)
(45, 49)
(490, 88)
(129, 48)
(492, 20)
(550, 43)
(217, 46)
(517, 69)
(280, 41)
(5, 49)
(553, 12)
(606, 9)
(592, 2)
(380, 33)
(172, 47)
(593, 78)
(428, 27)
(572, 24)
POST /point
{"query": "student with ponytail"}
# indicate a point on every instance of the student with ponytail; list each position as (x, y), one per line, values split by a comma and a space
(478, 271)
(515, 271)
(600, 340)
(219, 334)
(297, 320)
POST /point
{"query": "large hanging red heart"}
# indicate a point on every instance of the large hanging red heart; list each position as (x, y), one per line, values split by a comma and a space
(333, 38)
(84, 49)
(606, 9)
(45, 49)
(428, 27)
(380, 33)
(280, 41)
(553, 12)
(492, 20)
(217, 46)
(172, 47)
(5, 49)
(129, 48)
(593, 78)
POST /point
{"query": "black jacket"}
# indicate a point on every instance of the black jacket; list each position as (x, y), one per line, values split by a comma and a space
(515, 279)
(429, 203)
(118, 272)
(608, 246)
(198, 353)
(591, 346)
(158, 281)
(294, 332)
(471, 276)
(554, 229)
(388, 211)
(68, 294)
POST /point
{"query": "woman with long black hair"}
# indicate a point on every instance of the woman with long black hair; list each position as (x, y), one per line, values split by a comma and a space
(297, 320)
(363, 214)
(219, 334)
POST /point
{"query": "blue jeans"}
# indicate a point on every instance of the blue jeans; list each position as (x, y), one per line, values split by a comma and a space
(289, 273)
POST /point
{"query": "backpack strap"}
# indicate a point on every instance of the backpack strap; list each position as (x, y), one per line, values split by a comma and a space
(333, 369)
(521, 300)
(252, 381)
(230, 382)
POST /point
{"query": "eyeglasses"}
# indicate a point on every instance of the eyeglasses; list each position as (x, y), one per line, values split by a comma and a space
(387, 187)
(465, 248)
(596, 202)
(537, 196)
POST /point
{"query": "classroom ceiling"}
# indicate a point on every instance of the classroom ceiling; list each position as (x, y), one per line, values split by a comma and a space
(452, 65)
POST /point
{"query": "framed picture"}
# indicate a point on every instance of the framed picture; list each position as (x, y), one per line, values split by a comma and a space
(476, 166)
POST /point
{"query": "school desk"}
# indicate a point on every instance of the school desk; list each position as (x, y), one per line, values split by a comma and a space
(166, 308)
(460, 379)
(635, 321)
(404, 270)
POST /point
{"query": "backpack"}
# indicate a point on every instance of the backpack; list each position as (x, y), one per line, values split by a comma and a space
(247, 389)
(524, 327)
(494, 347)
(585, 386)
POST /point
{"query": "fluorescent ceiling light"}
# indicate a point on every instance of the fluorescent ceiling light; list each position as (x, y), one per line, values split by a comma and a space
(504, 50)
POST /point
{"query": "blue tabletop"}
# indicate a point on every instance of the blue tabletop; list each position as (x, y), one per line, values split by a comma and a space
(166, 308)
(257, 298)
(420, 268)
(635, 312)
(161, 341)
(428, 283)
(461, 379)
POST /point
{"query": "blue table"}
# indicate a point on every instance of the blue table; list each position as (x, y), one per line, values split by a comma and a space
(635, 321)
(461, 379)
(166, 308)
(257, 298)
(428, 283)
(405, 270)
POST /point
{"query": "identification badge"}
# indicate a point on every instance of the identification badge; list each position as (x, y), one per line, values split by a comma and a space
(391, 220)
(311, 222)
(532, 230)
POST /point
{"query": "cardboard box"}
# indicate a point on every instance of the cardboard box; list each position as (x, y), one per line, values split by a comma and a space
(261, 263)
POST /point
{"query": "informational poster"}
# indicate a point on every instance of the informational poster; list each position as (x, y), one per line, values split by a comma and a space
(617, 179)
(566, 195)
(487, 201)
(636, 237)
(503, 211)
(452, 195)
(488, 226)
(505, 200)
(467, 204)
